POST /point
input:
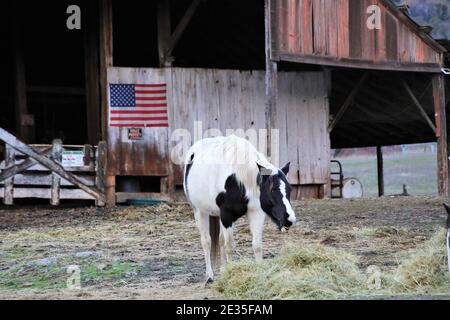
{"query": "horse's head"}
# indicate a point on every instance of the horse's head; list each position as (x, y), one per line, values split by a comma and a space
(275, 196)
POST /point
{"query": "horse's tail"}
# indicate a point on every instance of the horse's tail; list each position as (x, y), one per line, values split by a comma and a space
(214, 232)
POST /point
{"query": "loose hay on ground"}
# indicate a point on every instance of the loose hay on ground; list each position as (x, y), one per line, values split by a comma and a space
(425, 270)
(301, 271)
(315, 271)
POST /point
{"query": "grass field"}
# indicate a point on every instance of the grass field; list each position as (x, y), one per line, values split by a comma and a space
(417, 170)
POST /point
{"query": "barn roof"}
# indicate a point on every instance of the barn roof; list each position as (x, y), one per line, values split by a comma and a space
(334, 33)
(423, 31)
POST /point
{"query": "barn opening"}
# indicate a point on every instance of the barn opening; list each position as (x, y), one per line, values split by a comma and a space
(45, 62)
(383, 114)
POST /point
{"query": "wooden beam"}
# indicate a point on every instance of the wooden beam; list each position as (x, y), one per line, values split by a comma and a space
(271, 79)
(57, 151)
(11, 171)
(48, 163)
(419, 106)
(106, 58)
(358, 64)
(182, 25)
(91, 71)
(23, 119)
(441, 134)
(380, 171)
(10, 159)
(164, 32)
(347, 102)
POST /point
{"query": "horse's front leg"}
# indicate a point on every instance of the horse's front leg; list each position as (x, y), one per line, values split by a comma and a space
(203, 226)
(227, 243)
(256, 220)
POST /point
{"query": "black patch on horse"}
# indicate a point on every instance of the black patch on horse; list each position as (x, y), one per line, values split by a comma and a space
(233, 202)
(188, 168)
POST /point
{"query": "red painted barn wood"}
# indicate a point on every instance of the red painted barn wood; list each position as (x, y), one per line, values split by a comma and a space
(335, 32)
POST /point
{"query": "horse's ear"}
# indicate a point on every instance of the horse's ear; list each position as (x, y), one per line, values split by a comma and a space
(285, 169)
(262, 169)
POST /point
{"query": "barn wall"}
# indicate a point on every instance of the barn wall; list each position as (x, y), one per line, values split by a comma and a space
(228, 99)
(335, 32)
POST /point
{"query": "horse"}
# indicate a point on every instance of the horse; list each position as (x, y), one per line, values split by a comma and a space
(226, 178)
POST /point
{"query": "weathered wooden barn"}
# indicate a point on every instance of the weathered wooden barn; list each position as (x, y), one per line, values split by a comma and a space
(315, 70)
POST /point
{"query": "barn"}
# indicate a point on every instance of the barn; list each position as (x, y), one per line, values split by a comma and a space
(297, 77)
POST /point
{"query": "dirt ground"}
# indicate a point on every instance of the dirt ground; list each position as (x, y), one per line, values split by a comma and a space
(155, 252)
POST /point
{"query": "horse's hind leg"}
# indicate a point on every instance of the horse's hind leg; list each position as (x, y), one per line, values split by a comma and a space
(202, 220)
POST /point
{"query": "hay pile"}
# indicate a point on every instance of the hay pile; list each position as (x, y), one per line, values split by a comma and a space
(315, 271)
(306, 271)
(425, 269)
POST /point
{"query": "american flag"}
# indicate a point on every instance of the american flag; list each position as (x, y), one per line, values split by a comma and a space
(138, 105)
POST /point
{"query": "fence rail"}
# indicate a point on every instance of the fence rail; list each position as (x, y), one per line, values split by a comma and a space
(53, 172)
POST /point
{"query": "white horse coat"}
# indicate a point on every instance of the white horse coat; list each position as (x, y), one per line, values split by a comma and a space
(224, 177)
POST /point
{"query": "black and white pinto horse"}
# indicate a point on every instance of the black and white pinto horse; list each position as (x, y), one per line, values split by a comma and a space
(226, 178)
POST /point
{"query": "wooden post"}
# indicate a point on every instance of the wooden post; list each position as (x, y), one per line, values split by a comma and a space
(271, 80)
(91, 67)
(106, 61)
(10, 159)
(87, 150)
(441, 134)
(24, 121)
(106, 58)
(57, 151)
(164, 32)
(110, 191)
(380, 171)
(100, 170)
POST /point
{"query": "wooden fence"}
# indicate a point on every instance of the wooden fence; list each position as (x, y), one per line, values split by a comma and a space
(53, 172)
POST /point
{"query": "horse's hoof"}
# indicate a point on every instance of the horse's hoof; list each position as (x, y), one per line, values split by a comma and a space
(208, 282)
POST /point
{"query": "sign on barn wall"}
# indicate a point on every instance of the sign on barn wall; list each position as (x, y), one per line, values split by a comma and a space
(135, 134)
(72, 158)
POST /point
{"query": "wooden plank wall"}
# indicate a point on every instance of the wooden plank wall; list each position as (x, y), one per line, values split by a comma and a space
(229, 99)
(302, 117)
(336, 30)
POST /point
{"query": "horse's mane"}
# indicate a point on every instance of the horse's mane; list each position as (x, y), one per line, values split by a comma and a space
(243, 158)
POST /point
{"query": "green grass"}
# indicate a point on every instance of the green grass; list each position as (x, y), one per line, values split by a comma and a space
(91, 274)
(418, 171)
(27, 275)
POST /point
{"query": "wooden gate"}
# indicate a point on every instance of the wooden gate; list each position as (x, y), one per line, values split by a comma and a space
(52, 172)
